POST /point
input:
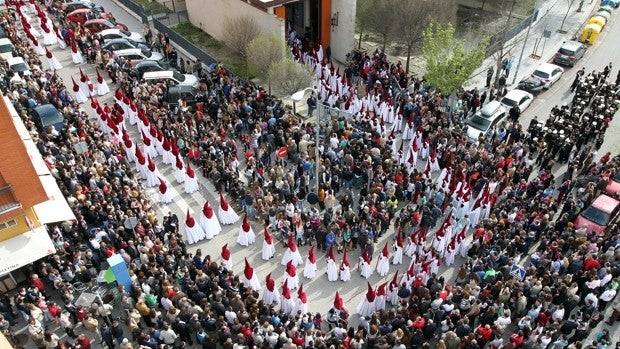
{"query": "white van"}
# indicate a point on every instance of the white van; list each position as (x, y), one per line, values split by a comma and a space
(173, 77)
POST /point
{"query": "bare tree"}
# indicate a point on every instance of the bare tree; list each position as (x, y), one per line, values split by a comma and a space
(288, 77)
(382, 20)
(412, 17)
(239, 31)
(570, 4)
(363, 17)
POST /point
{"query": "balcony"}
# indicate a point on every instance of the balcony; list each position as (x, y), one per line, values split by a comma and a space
(8, 202)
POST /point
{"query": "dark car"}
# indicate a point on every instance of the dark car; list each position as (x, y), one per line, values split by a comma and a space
(175, 93)
(122, 44)
(77, 5)
(531, 85)
(147, 66)
(47, 115)
(570, 53)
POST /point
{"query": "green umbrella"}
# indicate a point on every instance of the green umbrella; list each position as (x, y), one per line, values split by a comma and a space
(109, 276)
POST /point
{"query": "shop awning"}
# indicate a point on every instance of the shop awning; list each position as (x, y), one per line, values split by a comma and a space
(56, 209)
(25, 249)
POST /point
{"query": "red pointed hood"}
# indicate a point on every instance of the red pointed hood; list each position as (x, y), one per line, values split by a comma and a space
(268, 237)
(166, 144)
(99, 77)
(118, 94)
(301, 294)
(146, 140)
(386, 252)
(127, 141)
(366, 257)
(411, 271)
(345, 260)
(139, 156)
(48, 54)
(286, 292)
(223, 203)
(153, 131)
(312, 255)
(189, 220)
(399, 239)
(291, 244)
(151, 165)
(331, 253)
(76, 87)
(189, 171)
(270, 283)
(370, 294)
(290, 269)
(207, 210)
(74, 47)
(179, 163)
(382, 289)
(248, 271)
(83, 77)
(394, 281)
(162, 186)
(245, 225)
(338, 301)
(225, 252)
(94, 103)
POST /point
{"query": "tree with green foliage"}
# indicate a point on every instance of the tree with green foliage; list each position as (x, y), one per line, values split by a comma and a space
(262, 52)
(288, 77)
(448, 64)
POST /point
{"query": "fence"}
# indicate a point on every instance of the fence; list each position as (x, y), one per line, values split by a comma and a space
(135, 8)
(498, 40)
(171, 19)
(187, 45)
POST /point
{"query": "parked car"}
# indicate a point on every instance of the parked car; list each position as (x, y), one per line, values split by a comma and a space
(531, 85)
(172, 77)
(612, 3)
(82, 15)
(122, 44)
(69, 7)
(99, 24)
(549, 73)
(484, 120)
(596, 217)
(47, 115)
(519, 97)
(570, 53)
(18, 65)
(613, 186)
(136, 55)
(148, 65)
(6, 49)
(108, 34)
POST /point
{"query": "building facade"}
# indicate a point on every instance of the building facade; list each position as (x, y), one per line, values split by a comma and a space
(328, 22)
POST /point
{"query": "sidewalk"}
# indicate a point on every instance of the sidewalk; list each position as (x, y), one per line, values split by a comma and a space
(549, 18)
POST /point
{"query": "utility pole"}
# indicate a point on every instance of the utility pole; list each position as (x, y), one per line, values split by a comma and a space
(527, 34)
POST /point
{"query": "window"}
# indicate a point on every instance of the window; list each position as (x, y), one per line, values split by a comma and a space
(8, 224)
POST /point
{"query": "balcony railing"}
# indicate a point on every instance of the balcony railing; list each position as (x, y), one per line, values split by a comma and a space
(8, 202)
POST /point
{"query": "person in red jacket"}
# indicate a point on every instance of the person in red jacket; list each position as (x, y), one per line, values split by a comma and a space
(38, 283)
(83, 341)
(485, 332)
(590, 263)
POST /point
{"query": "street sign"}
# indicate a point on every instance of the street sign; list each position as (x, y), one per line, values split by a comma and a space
(517, 272)
(282, 152)
(547, 34)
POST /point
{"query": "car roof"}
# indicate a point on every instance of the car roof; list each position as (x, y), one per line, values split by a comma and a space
(158, 74)
(128, 51)
(490, 109)
(15, 60)
(80, 10)
(546, 67)
(147, 62)
(110, 31)
(571, 45)
(516, 94)
(5, 41)
(96, 20)
(116, 40)
(605, 203)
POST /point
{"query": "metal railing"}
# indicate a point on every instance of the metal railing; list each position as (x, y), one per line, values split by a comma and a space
(499, 39)
(184, 43)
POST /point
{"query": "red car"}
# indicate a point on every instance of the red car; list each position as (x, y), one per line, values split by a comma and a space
(596, 217)
(97, 25)
(82, 15)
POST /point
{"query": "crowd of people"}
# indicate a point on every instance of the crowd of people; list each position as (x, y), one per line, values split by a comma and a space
(501, 192)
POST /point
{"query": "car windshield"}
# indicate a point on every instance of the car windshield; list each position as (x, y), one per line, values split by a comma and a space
(479, 123)
(124, 32)
(509, 102)
(595, 215)
(178, 76)
(132, 43)
(19, 67)
(109, 23)
(6, 48)
(616, 176)
(566, 52)
(541, 74)
(146, 53)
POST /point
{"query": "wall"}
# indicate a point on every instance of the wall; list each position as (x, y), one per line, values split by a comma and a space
(209, 15)
(343, 36)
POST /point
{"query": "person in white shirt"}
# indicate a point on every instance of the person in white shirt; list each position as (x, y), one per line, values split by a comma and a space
(594, 283)
(606, 279)
(167, 335)
(591, 297)
(558, 314)
(607, 296)
(166, 303)
(230, 316)
(503, 321)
